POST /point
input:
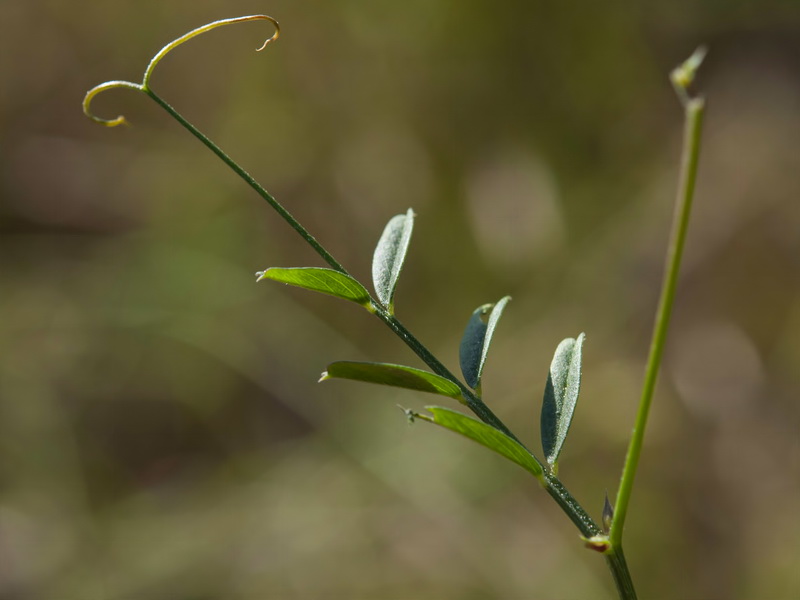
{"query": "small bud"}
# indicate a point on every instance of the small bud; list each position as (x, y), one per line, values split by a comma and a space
(608, 515)
(683, 75)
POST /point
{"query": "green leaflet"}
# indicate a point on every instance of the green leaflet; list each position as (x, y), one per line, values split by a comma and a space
(476, 341)
(394, 375)
(390, 253)
(485, 435)
(325, 281)
(561, 396)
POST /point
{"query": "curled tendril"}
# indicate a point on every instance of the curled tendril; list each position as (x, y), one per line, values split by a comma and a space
(145, 85)
(195, 32)
(108, 85)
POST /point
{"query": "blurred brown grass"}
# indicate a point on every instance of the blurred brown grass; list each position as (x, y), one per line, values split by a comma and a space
(161, 431)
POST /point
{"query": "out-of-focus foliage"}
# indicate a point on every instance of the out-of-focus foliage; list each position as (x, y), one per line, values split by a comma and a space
(162, 434)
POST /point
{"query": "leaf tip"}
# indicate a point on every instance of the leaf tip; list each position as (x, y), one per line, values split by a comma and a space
(324, 377)
(261, 274)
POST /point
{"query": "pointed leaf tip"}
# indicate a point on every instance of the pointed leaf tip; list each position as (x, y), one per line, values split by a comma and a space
(389, 256)
(394, 375)
(325, 281)
(561, 396)
(476, 340)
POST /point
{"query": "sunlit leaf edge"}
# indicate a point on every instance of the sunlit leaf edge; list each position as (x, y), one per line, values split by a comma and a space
(561, 396)
(494, 318)
(392, 375)
(389, 257)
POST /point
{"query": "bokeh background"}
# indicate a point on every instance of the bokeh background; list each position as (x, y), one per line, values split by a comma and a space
(162, 434)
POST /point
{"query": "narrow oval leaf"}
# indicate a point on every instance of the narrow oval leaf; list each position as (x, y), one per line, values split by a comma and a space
(471, 348)
(476, 340)
(485, 435)
(325, 281)
(394, 375)
(561, 396)
(390, 253)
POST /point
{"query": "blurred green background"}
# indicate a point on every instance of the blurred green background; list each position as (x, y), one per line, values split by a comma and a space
(162, 434)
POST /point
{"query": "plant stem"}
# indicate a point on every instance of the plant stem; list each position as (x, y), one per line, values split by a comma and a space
(294, 223)
(615, 558)
(576, 513)
(554, 487)
(694, 110)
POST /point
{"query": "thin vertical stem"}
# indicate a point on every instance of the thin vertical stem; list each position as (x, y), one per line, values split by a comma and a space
(691, 152)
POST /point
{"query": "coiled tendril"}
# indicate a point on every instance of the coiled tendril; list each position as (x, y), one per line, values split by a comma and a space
(145, 85)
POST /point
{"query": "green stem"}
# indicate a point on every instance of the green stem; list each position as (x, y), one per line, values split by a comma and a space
(576, 513)
(615, 558)
(691, 151)
(294, 223)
